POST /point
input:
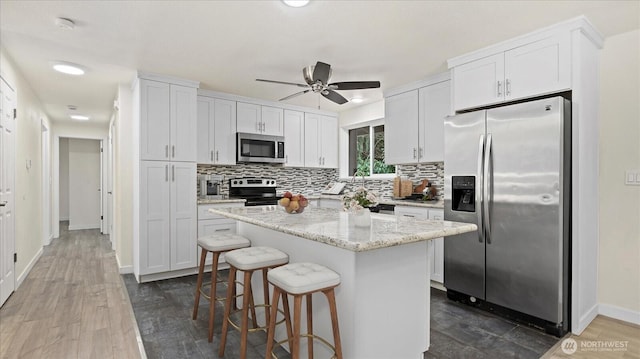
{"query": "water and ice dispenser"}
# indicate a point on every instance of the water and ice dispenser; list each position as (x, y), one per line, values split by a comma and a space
(464, 193)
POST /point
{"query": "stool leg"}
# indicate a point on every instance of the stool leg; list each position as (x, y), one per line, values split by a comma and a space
(271, 329)
(203, 257)
(265, 291)
(334, 321)
(297, 304)
(244, 329)
(227, 310)
(212, 293)
(287, 317)
(252, 306)
(310, 326)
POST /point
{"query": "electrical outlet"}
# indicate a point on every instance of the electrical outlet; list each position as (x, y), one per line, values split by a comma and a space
(632, 178)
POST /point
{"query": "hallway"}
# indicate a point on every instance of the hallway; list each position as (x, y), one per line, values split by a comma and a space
(72, 304)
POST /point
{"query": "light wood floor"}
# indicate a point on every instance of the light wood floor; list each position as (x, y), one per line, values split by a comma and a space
(72, 305)
(602, 331)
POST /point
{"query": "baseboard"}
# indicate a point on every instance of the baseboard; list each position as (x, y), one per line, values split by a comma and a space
(63, 219)
(619, 313)
(84, 226)
(29, 267)
(585, 320)
(123, 269)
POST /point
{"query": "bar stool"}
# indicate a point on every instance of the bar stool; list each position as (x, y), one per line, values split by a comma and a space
(216, 244)
(249, 260)
(302, 280)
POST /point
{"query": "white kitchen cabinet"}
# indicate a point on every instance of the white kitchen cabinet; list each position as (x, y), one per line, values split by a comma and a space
(168, 215)
(540, 67)
(264, 120)
(414, 122)
(320, 141)
(437, 254)
(216, 131)
(167, 121)
(209, 223)
(293, 138)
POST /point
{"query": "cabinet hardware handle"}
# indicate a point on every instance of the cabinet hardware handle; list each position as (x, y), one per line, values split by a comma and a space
(173, 151)
(173, 173)
(323, 161)
(3, 204)
(166, 151)
(499, 88)
(415, 153)
(419, 152)
(264, 127)
(211, 155)
(216, 156)
(222, 229)
(507, 87)
(319, 160)
(166, 173)
(286, 159)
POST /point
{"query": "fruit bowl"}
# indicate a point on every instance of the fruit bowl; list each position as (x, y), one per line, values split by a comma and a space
(293, 204)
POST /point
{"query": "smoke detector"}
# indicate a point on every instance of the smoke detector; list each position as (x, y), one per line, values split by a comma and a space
(64, 23)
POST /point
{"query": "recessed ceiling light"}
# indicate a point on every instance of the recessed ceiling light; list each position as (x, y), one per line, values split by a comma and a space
(80, 117)
(296, 3)
(68, 68)
(66, 24)
(357, 100)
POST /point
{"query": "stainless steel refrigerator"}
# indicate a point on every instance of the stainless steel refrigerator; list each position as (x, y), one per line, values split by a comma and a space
(507, 169)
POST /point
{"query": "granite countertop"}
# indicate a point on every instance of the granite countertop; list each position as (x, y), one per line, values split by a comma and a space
(216, 201)
(333, 227)
(386, 200)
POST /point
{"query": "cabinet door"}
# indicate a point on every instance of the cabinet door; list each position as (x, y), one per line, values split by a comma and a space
(538, 68)
(312, 157)
(224, 150)
(205, 136)
(479, 82)
(155, 120)
(414, 212)
(272, 121)
(155, 215)
(294, 138)
(249, 117)
(437, 261)
(435, 105)
(401, 127)
(183, 123)
(328, 141)
(184, 214)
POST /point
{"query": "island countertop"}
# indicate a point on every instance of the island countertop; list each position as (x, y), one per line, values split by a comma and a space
(333, 227)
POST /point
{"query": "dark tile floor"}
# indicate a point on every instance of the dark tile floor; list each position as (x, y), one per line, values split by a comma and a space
(163, 311)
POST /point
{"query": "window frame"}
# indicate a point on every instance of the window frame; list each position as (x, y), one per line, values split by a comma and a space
(344, 163)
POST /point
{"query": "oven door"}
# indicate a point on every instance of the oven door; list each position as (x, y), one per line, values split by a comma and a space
(260, 148)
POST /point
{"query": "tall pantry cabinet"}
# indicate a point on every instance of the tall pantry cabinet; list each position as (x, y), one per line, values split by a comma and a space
(165, 208)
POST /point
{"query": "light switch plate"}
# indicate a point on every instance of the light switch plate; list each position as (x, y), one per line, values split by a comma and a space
(632, 178)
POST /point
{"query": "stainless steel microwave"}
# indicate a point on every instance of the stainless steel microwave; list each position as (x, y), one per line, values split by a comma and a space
(260, 148)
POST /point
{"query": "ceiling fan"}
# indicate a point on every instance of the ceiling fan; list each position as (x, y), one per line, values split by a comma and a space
(317, 78)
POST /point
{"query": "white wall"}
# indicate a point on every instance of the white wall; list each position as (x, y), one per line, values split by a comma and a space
(619, 257)
(123, 179)
(84, 184)
(64, 179)
(28, 188)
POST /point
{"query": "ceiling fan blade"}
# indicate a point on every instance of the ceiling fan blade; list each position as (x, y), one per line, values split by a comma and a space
(321, 72)
(355, 85)
(283, 83)
(334, 96)
(294, 95)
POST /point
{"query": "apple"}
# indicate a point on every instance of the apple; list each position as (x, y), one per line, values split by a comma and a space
(303, 202)
(295, 198)
(287, 195)
(294, 205)
(284, 201)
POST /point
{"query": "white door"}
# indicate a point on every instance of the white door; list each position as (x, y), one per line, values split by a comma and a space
(7, 191)
(272, 121)
(184, 123)
(329, 141)
(46, 186)
(84, 184)
(109, 189)
(435, 105)
(312, 156)
(184, 215)
(224, 136)
(293, 138)
(155, 213)
(400, 129)
(479, 82)
(249, 118)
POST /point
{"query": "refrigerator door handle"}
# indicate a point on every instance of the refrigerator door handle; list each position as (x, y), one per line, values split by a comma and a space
(479, 183)
(486, 194)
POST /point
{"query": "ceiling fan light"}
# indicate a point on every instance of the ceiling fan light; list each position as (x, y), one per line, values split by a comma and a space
(296, 3)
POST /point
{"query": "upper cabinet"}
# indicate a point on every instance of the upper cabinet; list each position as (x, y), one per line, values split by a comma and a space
(414, 121)
(167, 121)
(320, 141)
(537, 67)
(216, 138)
(266, 120)
(293, 138)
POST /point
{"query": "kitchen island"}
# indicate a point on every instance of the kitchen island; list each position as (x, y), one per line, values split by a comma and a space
(383, 299)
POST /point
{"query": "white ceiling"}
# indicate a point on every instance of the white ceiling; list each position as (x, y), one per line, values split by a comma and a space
(226, 45)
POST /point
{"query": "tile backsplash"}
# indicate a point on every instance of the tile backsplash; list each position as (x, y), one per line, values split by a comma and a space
(313, 180)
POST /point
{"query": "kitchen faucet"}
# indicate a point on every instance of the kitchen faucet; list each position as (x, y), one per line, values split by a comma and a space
(353, 178)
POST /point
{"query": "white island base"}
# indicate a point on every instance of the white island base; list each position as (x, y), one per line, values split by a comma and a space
(383, 300)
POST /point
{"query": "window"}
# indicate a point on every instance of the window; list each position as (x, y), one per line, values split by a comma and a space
(366, 152)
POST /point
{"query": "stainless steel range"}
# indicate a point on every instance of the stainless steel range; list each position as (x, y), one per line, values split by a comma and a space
(256, 191)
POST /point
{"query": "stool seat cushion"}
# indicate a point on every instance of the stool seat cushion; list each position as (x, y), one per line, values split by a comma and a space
(297, 278)
(256, 257)
(223, 242)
